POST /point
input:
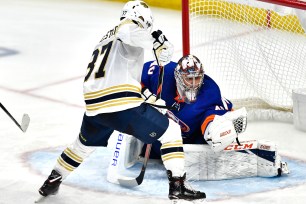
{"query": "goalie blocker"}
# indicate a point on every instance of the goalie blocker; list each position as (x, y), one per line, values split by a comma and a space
(250, 159)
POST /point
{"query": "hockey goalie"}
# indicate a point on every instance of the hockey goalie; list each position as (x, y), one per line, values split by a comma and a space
(209, 125)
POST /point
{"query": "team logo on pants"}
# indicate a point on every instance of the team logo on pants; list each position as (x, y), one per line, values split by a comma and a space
(152, 134)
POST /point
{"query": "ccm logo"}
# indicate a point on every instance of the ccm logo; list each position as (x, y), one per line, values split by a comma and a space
(225, 133)
(239, 147)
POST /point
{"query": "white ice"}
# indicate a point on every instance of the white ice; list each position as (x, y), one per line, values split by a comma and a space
(45, 47)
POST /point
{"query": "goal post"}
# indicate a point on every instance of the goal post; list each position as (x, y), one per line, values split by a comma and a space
(254, 50)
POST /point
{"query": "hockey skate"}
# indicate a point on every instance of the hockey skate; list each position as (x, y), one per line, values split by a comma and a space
(178, 191)
(51, 185)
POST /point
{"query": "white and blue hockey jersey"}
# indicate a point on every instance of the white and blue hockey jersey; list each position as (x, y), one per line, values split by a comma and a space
(112, 82)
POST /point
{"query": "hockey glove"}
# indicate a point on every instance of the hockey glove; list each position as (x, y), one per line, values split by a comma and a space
(224, 130)
(220, 133)
(161, 102)
(148, 96)
(162, 48)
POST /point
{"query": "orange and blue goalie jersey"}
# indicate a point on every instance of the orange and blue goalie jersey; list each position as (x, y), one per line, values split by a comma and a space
(194, 117)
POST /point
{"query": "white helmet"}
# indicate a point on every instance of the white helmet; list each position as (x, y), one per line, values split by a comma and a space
(189, 75)
(139, 12)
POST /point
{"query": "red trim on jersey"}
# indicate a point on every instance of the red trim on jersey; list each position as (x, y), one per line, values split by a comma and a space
(178, 98)
(142, 85)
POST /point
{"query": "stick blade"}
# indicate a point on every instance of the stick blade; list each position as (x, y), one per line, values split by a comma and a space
(128, 182)
(25, 122)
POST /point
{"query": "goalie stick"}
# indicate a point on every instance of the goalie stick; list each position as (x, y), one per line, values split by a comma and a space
(133, 182)
(25, 119)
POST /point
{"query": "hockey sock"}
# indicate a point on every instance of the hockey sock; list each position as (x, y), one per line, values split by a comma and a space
(72, 157)
(172, 154)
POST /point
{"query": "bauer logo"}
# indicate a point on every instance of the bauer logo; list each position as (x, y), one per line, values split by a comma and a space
(117, 149)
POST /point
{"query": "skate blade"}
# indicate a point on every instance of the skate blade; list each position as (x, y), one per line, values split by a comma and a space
(180, 201)
(40, 199)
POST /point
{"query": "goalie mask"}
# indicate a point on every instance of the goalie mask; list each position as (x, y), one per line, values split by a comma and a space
(139, 12)
(189, 75)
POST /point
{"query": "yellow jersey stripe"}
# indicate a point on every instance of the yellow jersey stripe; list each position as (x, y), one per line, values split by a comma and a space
(113, 89)
(112, 103)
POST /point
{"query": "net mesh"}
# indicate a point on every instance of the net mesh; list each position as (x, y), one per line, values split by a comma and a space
(254, 51)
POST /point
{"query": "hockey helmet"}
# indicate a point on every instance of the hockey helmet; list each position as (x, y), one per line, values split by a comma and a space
(139, 12)
(189, 75)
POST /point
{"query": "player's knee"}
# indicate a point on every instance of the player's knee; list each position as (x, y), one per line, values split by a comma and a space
(173, 133)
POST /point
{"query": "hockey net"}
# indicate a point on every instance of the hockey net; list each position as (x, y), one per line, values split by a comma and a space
(254, 50)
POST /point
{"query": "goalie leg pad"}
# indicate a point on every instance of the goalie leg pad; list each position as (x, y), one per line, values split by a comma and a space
(72, 157)
(204, 164)
(269, 161)
(133, 150)
(252, 158)
(123, 155)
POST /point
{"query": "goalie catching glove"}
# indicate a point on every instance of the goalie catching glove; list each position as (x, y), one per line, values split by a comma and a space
(162, 48)
(224, 130)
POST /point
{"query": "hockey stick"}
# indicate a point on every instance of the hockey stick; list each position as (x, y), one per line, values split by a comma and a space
(25, 119)
(133, 182)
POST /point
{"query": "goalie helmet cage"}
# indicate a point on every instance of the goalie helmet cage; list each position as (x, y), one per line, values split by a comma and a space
(254, 50)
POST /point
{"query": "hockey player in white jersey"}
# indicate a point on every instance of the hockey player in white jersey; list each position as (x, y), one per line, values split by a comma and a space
(112, 93)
